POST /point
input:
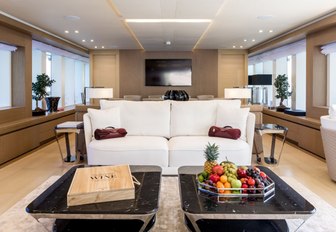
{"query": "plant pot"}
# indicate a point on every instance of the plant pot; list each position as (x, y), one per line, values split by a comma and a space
(38, 112)
(52, 103)
(282, 108)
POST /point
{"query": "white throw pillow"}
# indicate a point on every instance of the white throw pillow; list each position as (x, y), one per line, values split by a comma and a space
(236, 118)
(104, 118)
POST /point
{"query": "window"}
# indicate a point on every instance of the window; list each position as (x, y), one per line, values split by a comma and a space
(70, 71)
(290, 60)
(6, 75)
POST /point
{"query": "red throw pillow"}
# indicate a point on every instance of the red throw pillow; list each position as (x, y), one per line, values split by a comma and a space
(109, 133)
(224, 132)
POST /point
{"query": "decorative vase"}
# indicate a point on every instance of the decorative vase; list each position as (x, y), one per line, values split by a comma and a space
(52, 103)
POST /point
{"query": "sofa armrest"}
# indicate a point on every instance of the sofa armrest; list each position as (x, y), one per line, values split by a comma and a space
(87, 129)
(250, 125)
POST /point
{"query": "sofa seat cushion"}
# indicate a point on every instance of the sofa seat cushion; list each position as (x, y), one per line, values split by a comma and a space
(133, 150)
(188, 150)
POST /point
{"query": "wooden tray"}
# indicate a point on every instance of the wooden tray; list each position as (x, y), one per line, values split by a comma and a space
(101, 184)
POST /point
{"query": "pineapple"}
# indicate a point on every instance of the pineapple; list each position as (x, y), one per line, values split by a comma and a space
(211, 155)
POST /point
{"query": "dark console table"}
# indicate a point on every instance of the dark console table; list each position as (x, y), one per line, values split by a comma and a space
(202, 213)
(127, 215)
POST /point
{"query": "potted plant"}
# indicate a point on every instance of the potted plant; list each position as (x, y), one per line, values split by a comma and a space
(40, 92)
(281, 84)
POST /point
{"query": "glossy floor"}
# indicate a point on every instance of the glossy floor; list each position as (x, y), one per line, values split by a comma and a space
(21, 176)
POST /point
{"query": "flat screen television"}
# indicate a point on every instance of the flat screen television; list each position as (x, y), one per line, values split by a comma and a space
(168, 72)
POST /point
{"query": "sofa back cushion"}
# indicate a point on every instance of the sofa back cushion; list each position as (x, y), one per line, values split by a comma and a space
(196, 117)
(101, 119)
(150, 118)
(236, 118)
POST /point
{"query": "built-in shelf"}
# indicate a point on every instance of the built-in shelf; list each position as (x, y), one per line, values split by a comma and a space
(303, 131)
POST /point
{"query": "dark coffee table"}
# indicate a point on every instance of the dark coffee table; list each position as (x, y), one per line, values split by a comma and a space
(203, 213)
(126, 215)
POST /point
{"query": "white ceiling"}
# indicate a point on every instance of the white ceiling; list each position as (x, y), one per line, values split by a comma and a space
(233, 21)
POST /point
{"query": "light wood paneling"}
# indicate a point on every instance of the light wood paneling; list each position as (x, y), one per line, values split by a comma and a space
(105, 70)
(317, 72)
(301, 130)
(21, 74)
(232, 69)
(132, 72)
(46, 130)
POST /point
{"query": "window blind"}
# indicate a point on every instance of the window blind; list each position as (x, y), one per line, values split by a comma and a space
(329, 48)
(286, 50)
(57, 51)
(5, 47)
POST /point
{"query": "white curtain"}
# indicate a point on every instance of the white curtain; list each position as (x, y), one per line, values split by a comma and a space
(289, 49)
(9, 48)
(329, 48)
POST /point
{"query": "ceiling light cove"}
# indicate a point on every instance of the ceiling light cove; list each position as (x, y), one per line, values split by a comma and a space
(168, 20)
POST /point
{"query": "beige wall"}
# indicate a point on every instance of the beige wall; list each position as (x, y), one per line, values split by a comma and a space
(132, 72)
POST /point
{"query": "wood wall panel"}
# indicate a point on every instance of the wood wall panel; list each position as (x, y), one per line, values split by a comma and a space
(317, 72)
(232, 69)
(21, 74)
(132, 72)
(105, 70)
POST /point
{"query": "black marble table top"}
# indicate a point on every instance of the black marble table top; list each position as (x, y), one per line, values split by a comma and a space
(285, 201)
(54, 199)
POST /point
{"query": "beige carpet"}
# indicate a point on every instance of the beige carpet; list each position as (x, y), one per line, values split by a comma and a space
(169, 217)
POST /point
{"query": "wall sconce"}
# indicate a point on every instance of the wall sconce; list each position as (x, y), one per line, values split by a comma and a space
(97, 93)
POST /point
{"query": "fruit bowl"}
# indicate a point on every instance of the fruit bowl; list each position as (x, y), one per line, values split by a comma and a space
(225, 194)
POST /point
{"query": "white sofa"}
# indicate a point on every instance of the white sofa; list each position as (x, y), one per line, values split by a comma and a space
(167, 133)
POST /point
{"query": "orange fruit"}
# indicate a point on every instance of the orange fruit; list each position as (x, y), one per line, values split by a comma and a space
(227, 185)
(223, 179)
(220, 187)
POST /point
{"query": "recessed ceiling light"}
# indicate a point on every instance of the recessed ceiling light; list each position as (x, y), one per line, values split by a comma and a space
(270, 31)
(233, 46)
(66, 31)
(261, 31)
(245, 40)
(253, 40)
(96, 47)
(241, 46)
(265, 17)
(168, 20)
(72, 17)
(76, 31)
(168, 42)
(83, 40)
(103, 47)
(91, 40)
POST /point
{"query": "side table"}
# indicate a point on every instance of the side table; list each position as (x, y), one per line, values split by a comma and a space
(273, 129)
(66, 128)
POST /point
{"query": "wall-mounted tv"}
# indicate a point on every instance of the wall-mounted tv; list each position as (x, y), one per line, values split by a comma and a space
(168, 72)
(260, 79)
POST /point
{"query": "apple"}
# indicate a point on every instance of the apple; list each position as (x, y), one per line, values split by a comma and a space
(241, 172)
(236, 183)
(263, 175)
(214, 177)
(251, 182)
(218, 169)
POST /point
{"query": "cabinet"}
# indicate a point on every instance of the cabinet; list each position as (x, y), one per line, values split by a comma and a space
(303, 131)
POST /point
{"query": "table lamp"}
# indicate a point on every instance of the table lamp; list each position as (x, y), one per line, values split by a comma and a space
(237, 93)
(97, 93)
